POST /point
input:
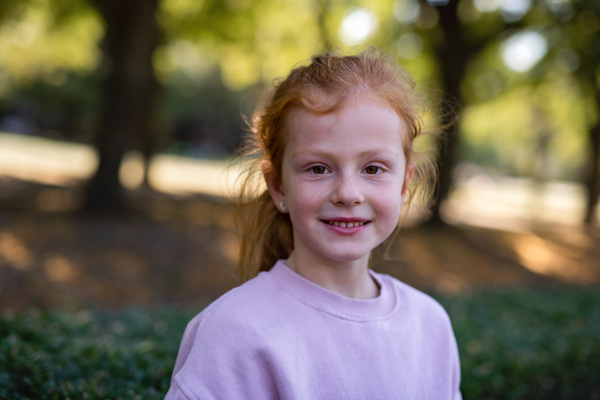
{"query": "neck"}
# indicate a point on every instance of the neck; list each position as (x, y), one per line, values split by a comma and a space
(347, 278)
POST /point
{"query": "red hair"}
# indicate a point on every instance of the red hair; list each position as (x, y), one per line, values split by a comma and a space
(326, 85)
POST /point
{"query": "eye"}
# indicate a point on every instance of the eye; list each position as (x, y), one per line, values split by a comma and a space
(319, 169)
(373, 169)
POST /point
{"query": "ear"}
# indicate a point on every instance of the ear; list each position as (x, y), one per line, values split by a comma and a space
(410, 170)
(274, 185)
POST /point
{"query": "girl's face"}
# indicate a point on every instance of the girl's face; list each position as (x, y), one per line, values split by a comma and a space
(344, 179)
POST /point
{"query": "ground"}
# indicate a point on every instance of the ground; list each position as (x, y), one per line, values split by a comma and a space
(177, 249)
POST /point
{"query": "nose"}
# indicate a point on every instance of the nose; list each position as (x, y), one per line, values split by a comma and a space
(347, 191)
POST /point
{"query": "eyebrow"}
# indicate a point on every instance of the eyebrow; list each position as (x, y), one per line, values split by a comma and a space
(365, 154)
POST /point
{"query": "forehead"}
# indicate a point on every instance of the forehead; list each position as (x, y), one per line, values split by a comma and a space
(362, 123)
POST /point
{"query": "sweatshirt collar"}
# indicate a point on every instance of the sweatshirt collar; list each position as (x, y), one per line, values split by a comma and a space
(324, 300)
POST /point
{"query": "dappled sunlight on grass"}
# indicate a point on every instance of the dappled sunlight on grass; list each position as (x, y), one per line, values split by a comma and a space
(45, 161)
(174, 174)
(546, 258)
(59, 268)
(60, 163)
(54, 260)
(455, 259)
(515, 204)
(13, 251)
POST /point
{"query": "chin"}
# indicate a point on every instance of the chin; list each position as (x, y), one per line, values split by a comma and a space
(347, 257)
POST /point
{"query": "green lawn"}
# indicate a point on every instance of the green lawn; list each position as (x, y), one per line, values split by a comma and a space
(514, 344)
(526, 344)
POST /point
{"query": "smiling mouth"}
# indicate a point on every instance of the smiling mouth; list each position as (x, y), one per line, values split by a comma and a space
(346, 224)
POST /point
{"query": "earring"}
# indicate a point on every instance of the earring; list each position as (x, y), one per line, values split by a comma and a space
(282, 205)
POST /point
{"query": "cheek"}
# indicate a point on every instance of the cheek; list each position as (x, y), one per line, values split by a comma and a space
(305, 203)
(389, 201)
(305, 198)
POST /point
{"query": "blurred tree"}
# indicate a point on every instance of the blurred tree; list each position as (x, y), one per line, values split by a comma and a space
(50, 39)
(582, 33)
(456, 44)
(129, 98)
(472, 30)
(453, 53)
(559, 98)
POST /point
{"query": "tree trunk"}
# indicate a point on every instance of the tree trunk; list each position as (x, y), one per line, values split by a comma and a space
(129, 98)
(593, 176)
(452, 54)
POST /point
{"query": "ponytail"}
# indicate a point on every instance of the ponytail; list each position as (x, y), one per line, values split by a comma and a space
(266, 235)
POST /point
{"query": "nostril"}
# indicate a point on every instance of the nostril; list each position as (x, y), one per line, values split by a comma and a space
(347, 192)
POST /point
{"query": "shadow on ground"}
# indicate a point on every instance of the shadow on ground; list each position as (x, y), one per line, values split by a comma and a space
(183, 249)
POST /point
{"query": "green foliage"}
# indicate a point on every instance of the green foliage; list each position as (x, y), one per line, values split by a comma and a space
(58, 355)
(514, 344)
(517, 129)
(66, 112)
(524, 344)
(45, 40)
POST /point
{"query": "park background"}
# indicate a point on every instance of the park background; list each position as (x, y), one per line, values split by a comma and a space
(118, 122)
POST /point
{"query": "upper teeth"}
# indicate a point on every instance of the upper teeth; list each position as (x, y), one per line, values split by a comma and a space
(345, 224)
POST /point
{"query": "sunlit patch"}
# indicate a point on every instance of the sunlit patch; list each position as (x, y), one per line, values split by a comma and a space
(45, 161)
(406, 11)
(229, 246)
(60, 163)
(540, 257)
(358, 25)
(59, 269)
(487, 5)
(409, 45)
(174, 174)
(450, 284)
(13, 251)
(524, 50)
(514, 10)
(131, 173)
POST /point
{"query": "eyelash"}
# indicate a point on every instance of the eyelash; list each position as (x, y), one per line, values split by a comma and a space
(325, 170)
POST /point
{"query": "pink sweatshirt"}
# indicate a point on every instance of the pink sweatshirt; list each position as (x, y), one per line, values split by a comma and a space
(280, 336)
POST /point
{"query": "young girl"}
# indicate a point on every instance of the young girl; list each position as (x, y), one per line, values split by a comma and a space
(334, 145)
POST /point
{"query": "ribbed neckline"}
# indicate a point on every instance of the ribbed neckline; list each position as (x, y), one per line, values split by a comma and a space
(321, 299)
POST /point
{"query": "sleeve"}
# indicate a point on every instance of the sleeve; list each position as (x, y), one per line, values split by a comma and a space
(455, 367)
(456, 376)
(175, 392)
(222, 357)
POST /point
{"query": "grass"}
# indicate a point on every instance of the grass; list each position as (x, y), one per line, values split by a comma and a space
(89, 355)
(514, 344)
(528, 344)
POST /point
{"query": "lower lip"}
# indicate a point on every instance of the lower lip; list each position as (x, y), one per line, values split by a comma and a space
(345, 230)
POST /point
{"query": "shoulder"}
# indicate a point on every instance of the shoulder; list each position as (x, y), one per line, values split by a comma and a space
(241, 307)
(228, 333)
(222, 353)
